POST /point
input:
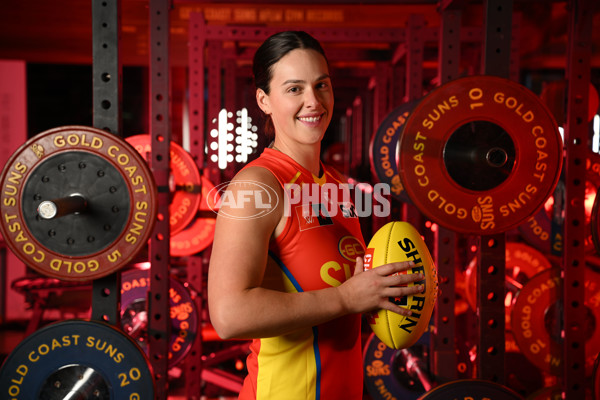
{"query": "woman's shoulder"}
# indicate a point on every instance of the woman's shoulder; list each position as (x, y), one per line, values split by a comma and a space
(257, 173)
(253, 192)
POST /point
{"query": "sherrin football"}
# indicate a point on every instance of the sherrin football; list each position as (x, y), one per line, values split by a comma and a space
(395, 242)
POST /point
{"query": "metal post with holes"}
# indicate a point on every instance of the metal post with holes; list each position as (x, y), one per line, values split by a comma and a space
(415, 44)
(379, 85)
(578, 75)
(214, 107)
(197, 40)
(159, 319)
(491, 257)
(347, 131)
(357, 136)
(107, 92)
(195, 265)
(444, 347)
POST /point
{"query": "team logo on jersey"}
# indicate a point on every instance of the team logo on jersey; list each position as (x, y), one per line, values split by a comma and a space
(350, 248)
(312, 215)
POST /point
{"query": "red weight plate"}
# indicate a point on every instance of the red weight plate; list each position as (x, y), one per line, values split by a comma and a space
(135, 284)
(480, 154)
(549, 393)
(184, 182)
(520, 374)
(537, 230)
(522, 262)
(554, 96)
(537, 314)
(95, 236)
(200, 233)
(383, 149)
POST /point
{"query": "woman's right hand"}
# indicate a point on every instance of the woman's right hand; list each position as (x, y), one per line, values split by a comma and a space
(375, 288)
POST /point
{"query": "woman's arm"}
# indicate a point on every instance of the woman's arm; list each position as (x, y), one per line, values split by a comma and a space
(243, 305)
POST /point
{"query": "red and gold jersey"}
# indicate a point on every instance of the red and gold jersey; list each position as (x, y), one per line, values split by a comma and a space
(316, 250)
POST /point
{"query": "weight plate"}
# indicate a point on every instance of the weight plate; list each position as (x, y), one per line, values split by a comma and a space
(474, 389)
(382, 150)
(537, 317)
(135, 284)
(480, 155)
(385, 376)
(519, 373)
(522, 262)
(537, 230)
(184, 181)
(200, 233)
(77, 359)
(549, 393)
(554, 96)
(99, 186)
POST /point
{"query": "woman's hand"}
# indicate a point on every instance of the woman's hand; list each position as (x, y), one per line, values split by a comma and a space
(372, 289)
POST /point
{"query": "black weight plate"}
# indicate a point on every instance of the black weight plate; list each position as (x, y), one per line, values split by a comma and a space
(472, 389)
(383, 149)
(82, 358)
(385, 376)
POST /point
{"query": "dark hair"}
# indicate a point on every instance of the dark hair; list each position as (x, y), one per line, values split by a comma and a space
(274, 48)
(271, 51)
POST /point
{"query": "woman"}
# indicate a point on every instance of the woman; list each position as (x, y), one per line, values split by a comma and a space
(283, 276)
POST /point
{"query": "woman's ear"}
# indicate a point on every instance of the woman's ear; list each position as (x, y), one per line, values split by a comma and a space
(262, 99)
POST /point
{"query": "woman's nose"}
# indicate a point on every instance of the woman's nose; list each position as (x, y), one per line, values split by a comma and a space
(310, 98)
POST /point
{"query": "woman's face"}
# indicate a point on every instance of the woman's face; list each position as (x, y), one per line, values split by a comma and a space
(300, 101)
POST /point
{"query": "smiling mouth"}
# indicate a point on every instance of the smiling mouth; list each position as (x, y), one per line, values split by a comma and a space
(310, 119)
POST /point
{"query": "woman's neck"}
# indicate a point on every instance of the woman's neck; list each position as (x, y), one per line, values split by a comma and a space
(308, 156)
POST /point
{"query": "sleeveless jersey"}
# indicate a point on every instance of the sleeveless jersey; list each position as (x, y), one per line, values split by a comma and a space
(316, 250)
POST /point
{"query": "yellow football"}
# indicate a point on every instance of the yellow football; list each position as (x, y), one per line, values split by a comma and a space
(395, 242)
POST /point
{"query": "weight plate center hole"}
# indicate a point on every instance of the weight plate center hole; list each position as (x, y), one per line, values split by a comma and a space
(75, 382)
(496, 157)
(75, 203)
(479, 155)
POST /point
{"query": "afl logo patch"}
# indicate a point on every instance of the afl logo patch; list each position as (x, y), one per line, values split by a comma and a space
(350, 248)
